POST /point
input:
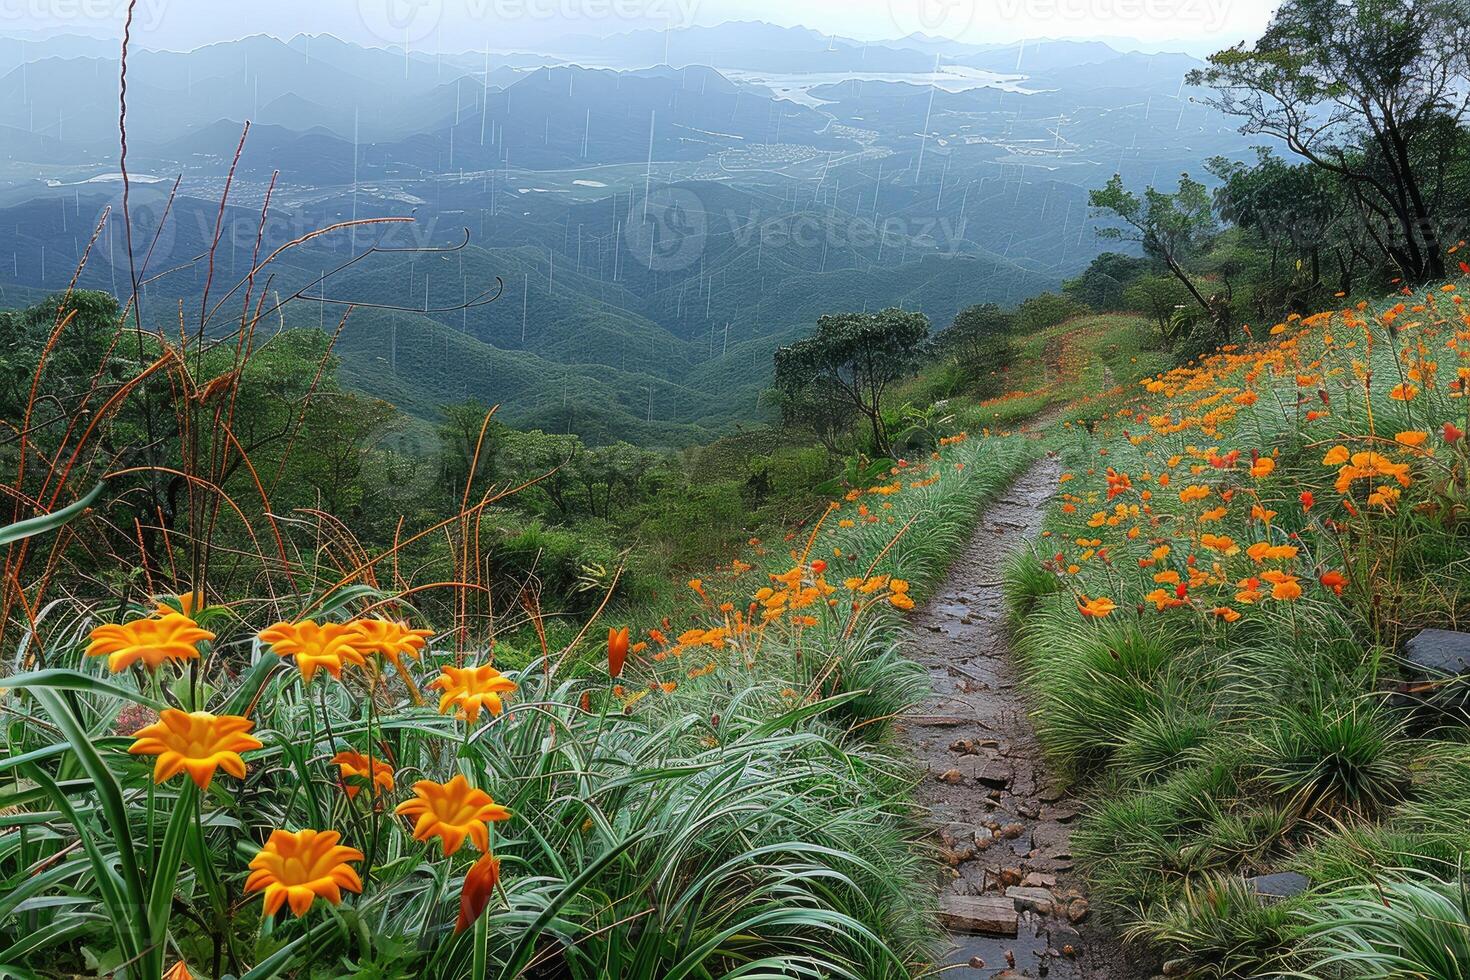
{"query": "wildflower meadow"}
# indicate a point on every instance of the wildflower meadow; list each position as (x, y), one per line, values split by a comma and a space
(1211, 625)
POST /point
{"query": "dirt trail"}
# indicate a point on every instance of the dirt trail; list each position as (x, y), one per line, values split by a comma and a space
(1001, 822)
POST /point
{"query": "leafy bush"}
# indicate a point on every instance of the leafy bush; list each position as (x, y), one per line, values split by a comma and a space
(1224, 929)
(1235, 554)
(1404, 926)
(1162, 740)
(1335, 758)
(1026, 580)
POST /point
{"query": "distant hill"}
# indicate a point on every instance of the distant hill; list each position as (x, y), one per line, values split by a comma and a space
(750, 45)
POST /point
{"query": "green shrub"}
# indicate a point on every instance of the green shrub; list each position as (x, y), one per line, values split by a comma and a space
(1335, 758)
(1094, 683)
(1410, 926)
(1218, 928)
(1162, 740)
(1363, 852)
(1026, 580)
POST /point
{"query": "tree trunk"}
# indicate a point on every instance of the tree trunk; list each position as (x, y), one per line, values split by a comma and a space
(880, 438)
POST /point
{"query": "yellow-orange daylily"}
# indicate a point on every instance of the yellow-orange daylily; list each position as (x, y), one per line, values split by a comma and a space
(452, 811)
(389, 638)
(324, 646)
(197, 743)
(356, 767)
(468, 689)
(298, 868)
(155, 641)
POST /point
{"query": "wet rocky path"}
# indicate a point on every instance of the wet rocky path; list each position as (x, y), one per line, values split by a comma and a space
(1001, 821)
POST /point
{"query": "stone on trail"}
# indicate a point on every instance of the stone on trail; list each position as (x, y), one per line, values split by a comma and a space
(1437, 654)
(1038, 900)
(996, 774)
(991, 915)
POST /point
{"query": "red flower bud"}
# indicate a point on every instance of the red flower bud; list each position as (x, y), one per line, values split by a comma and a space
(479, 885)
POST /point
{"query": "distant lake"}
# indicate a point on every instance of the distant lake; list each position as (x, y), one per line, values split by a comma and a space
(796, 87)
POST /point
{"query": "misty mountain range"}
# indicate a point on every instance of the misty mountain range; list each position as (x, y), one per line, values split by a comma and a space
(658, 211)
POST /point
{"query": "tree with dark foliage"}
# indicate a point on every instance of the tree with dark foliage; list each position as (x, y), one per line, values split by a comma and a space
(850, 361)
(1171, 228)
(1372, 91)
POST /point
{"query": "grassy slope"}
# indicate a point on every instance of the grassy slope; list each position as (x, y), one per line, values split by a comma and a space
(1233, 729)
(1072, 363)
(742, 768)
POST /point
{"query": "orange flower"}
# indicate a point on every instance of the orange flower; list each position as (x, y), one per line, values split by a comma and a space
(471, 688)
(452, 811)
(155, 641)
(1226, 613)
(479, 885)
(197, 742)
(1250, 591)
(390, 638)
(327, 646)
(1192, 493)
(1404, 392)
(298, 868)
(1096, 608)
(1411, 438)
(617, 651)
(355, 768)
(1164, 600)
(1307, 500)
(1336, 456)
(188, 603)
(1118, 483)
(1334, 580)
(1284, 587)
(1263, 467)
(179, 971)
(1266, 551)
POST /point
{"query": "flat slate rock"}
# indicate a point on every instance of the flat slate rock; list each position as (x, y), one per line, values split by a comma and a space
(1031, 899)
(996, 774)
(990, 915)
(1437, 654)
(1275, 887)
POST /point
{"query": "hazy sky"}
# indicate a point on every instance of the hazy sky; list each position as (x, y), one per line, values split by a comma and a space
(504, 24)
